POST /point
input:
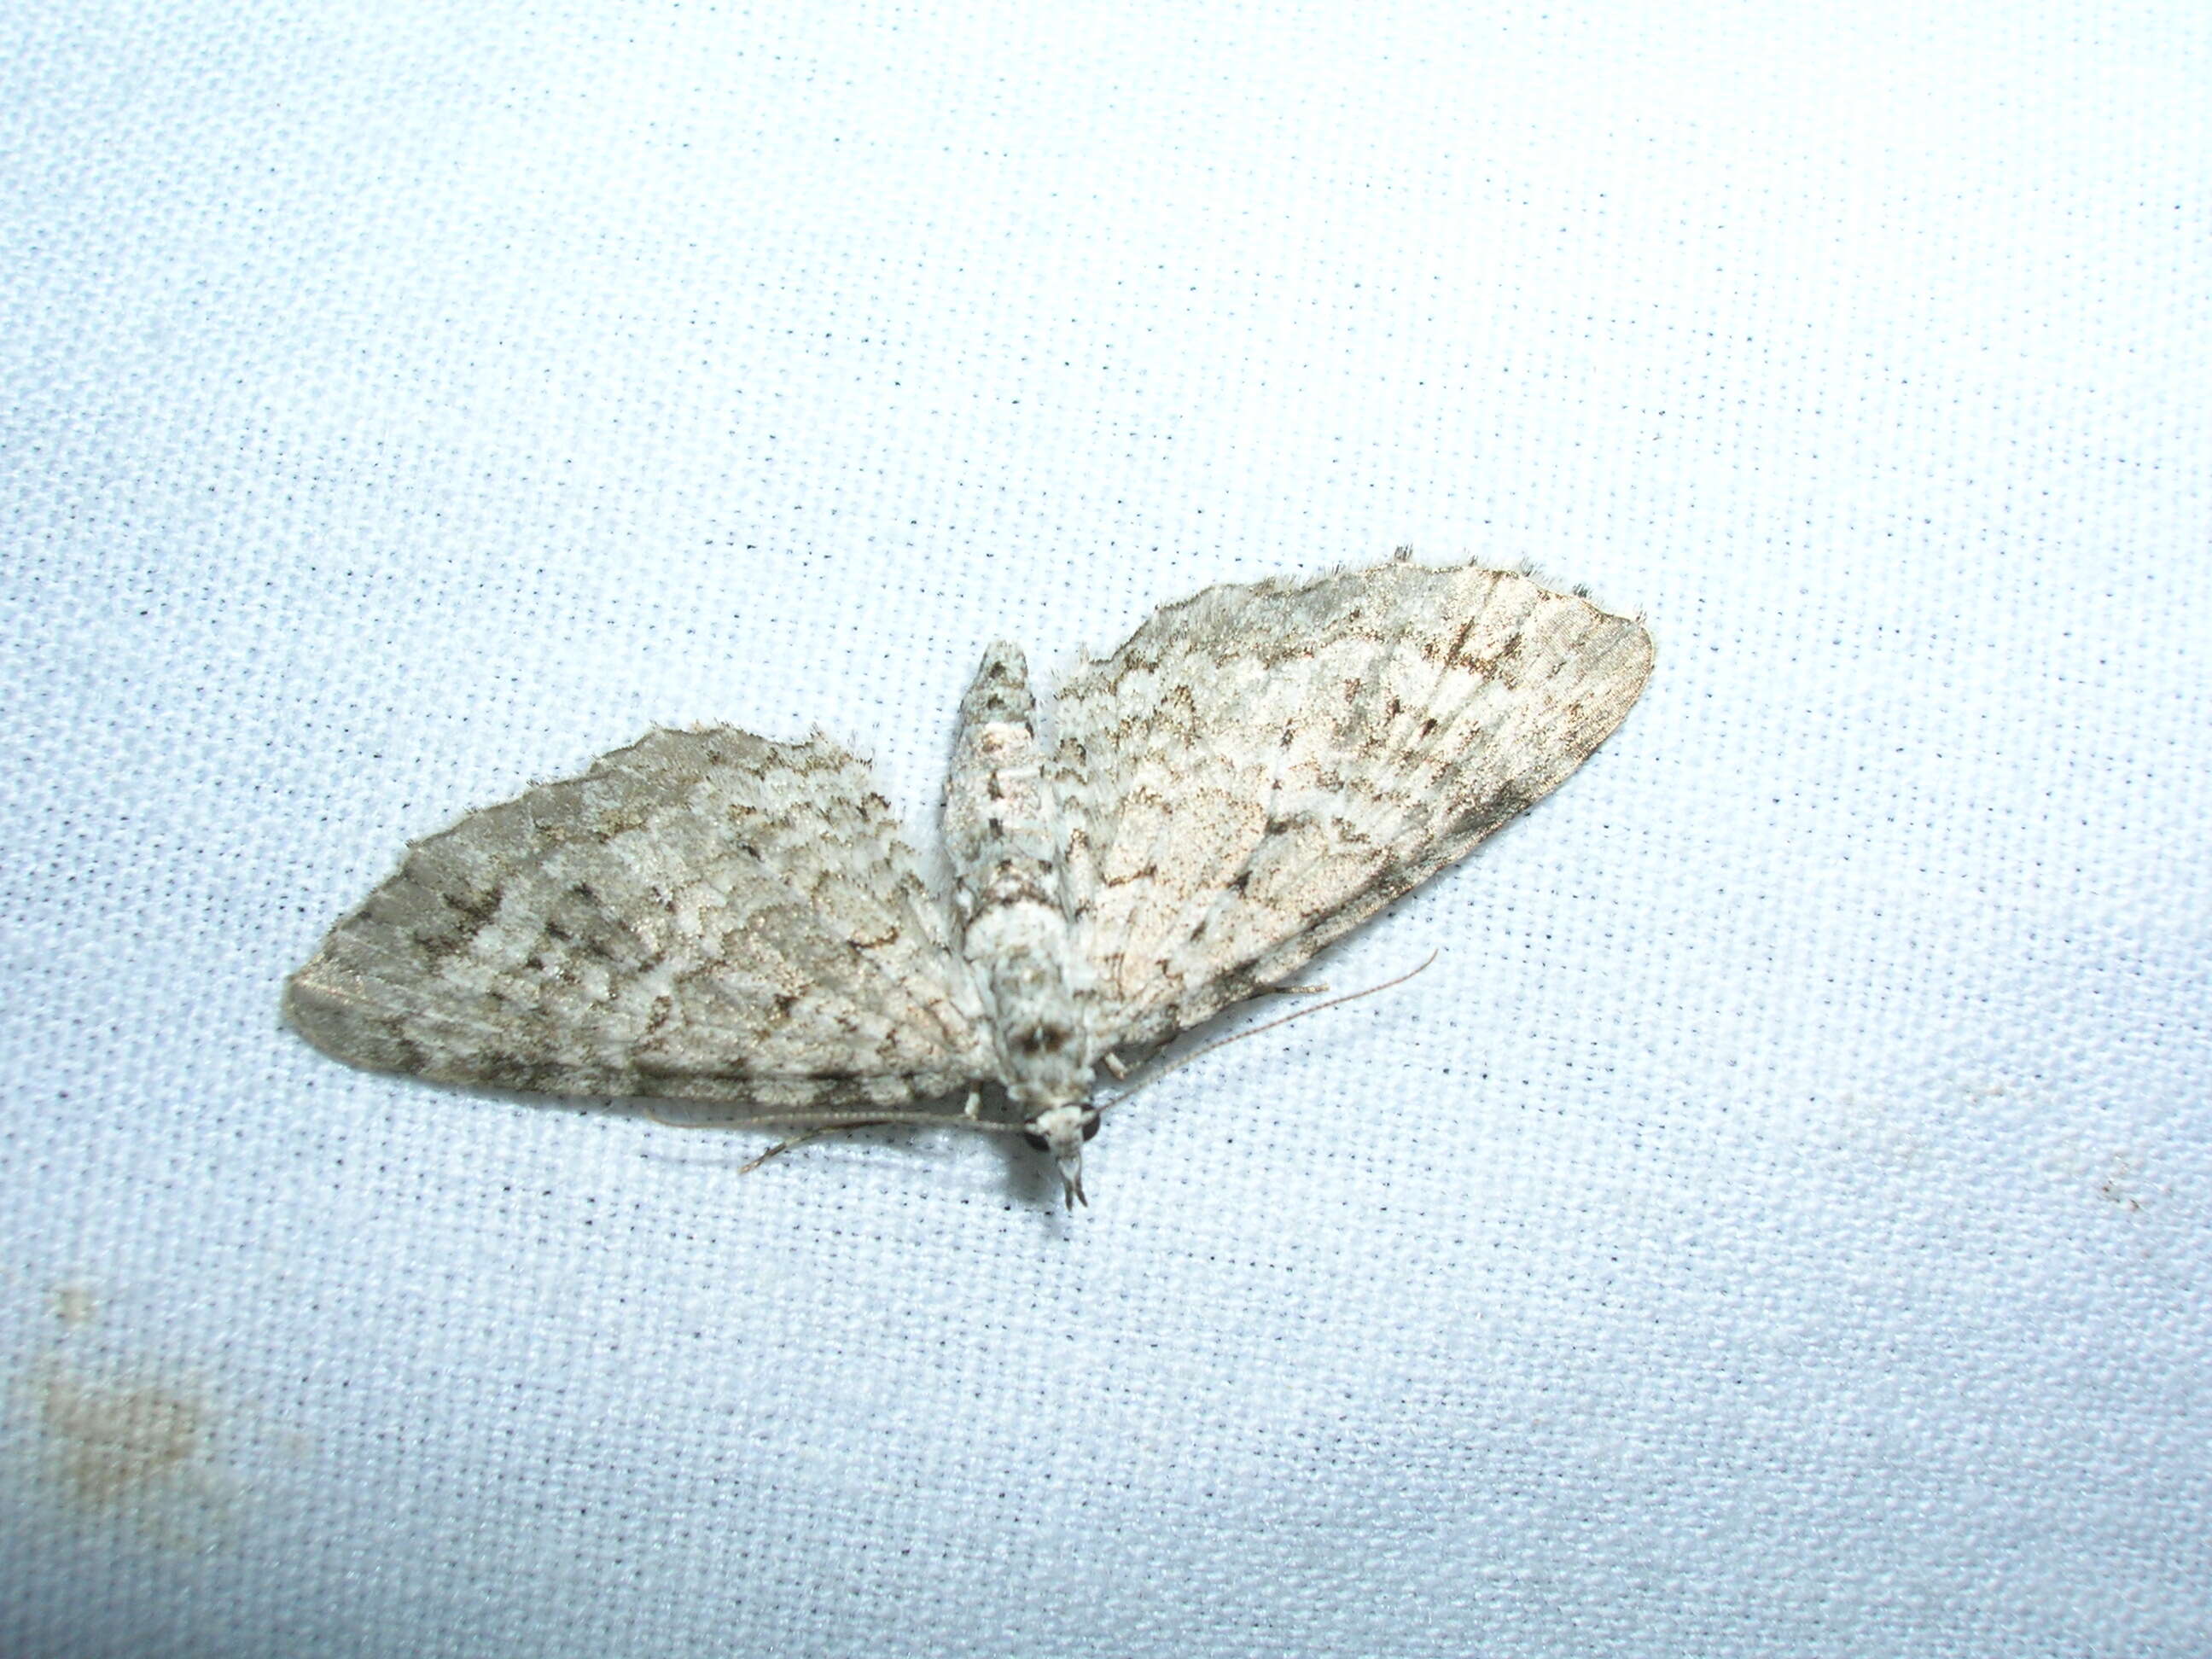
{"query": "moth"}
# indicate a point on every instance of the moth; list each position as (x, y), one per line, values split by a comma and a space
(712, 916)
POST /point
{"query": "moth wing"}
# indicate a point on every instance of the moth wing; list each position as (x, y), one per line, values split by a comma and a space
(1260, 768)
(705, 915)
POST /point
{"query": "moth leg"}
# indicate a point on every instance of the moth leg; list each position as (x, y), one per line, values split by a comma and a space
(1113, 1063)
(781, 1146)
(815, 1133)
(1292, 990)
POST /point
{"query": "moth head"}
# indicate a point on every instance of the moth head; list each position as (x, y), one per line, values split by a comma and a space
(1062, 1130)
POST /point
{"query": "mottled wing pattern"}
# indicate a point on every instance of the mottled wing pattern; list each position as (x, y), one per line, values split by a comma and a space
(705, 915)
(1260, 769)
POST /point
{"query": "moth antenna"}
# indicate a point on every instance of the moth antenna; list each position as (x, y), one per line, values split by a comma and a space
(815, 1127)
(1223, 1043)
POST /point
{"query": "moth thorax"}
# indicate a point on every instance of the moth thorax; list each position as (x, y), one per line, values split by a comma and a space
(1041, 1047)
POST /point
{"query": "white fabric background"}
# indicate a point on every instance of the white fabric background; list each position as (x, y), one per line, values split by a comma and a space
(1776, 1225)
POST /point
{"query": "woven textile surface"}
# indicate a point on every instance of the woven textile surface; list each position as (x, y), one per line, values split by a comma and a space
(1775, 1223)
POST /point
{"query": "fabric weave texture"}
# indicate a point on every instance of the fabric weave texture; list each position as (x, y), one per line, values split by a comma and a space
(1775, 1225)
